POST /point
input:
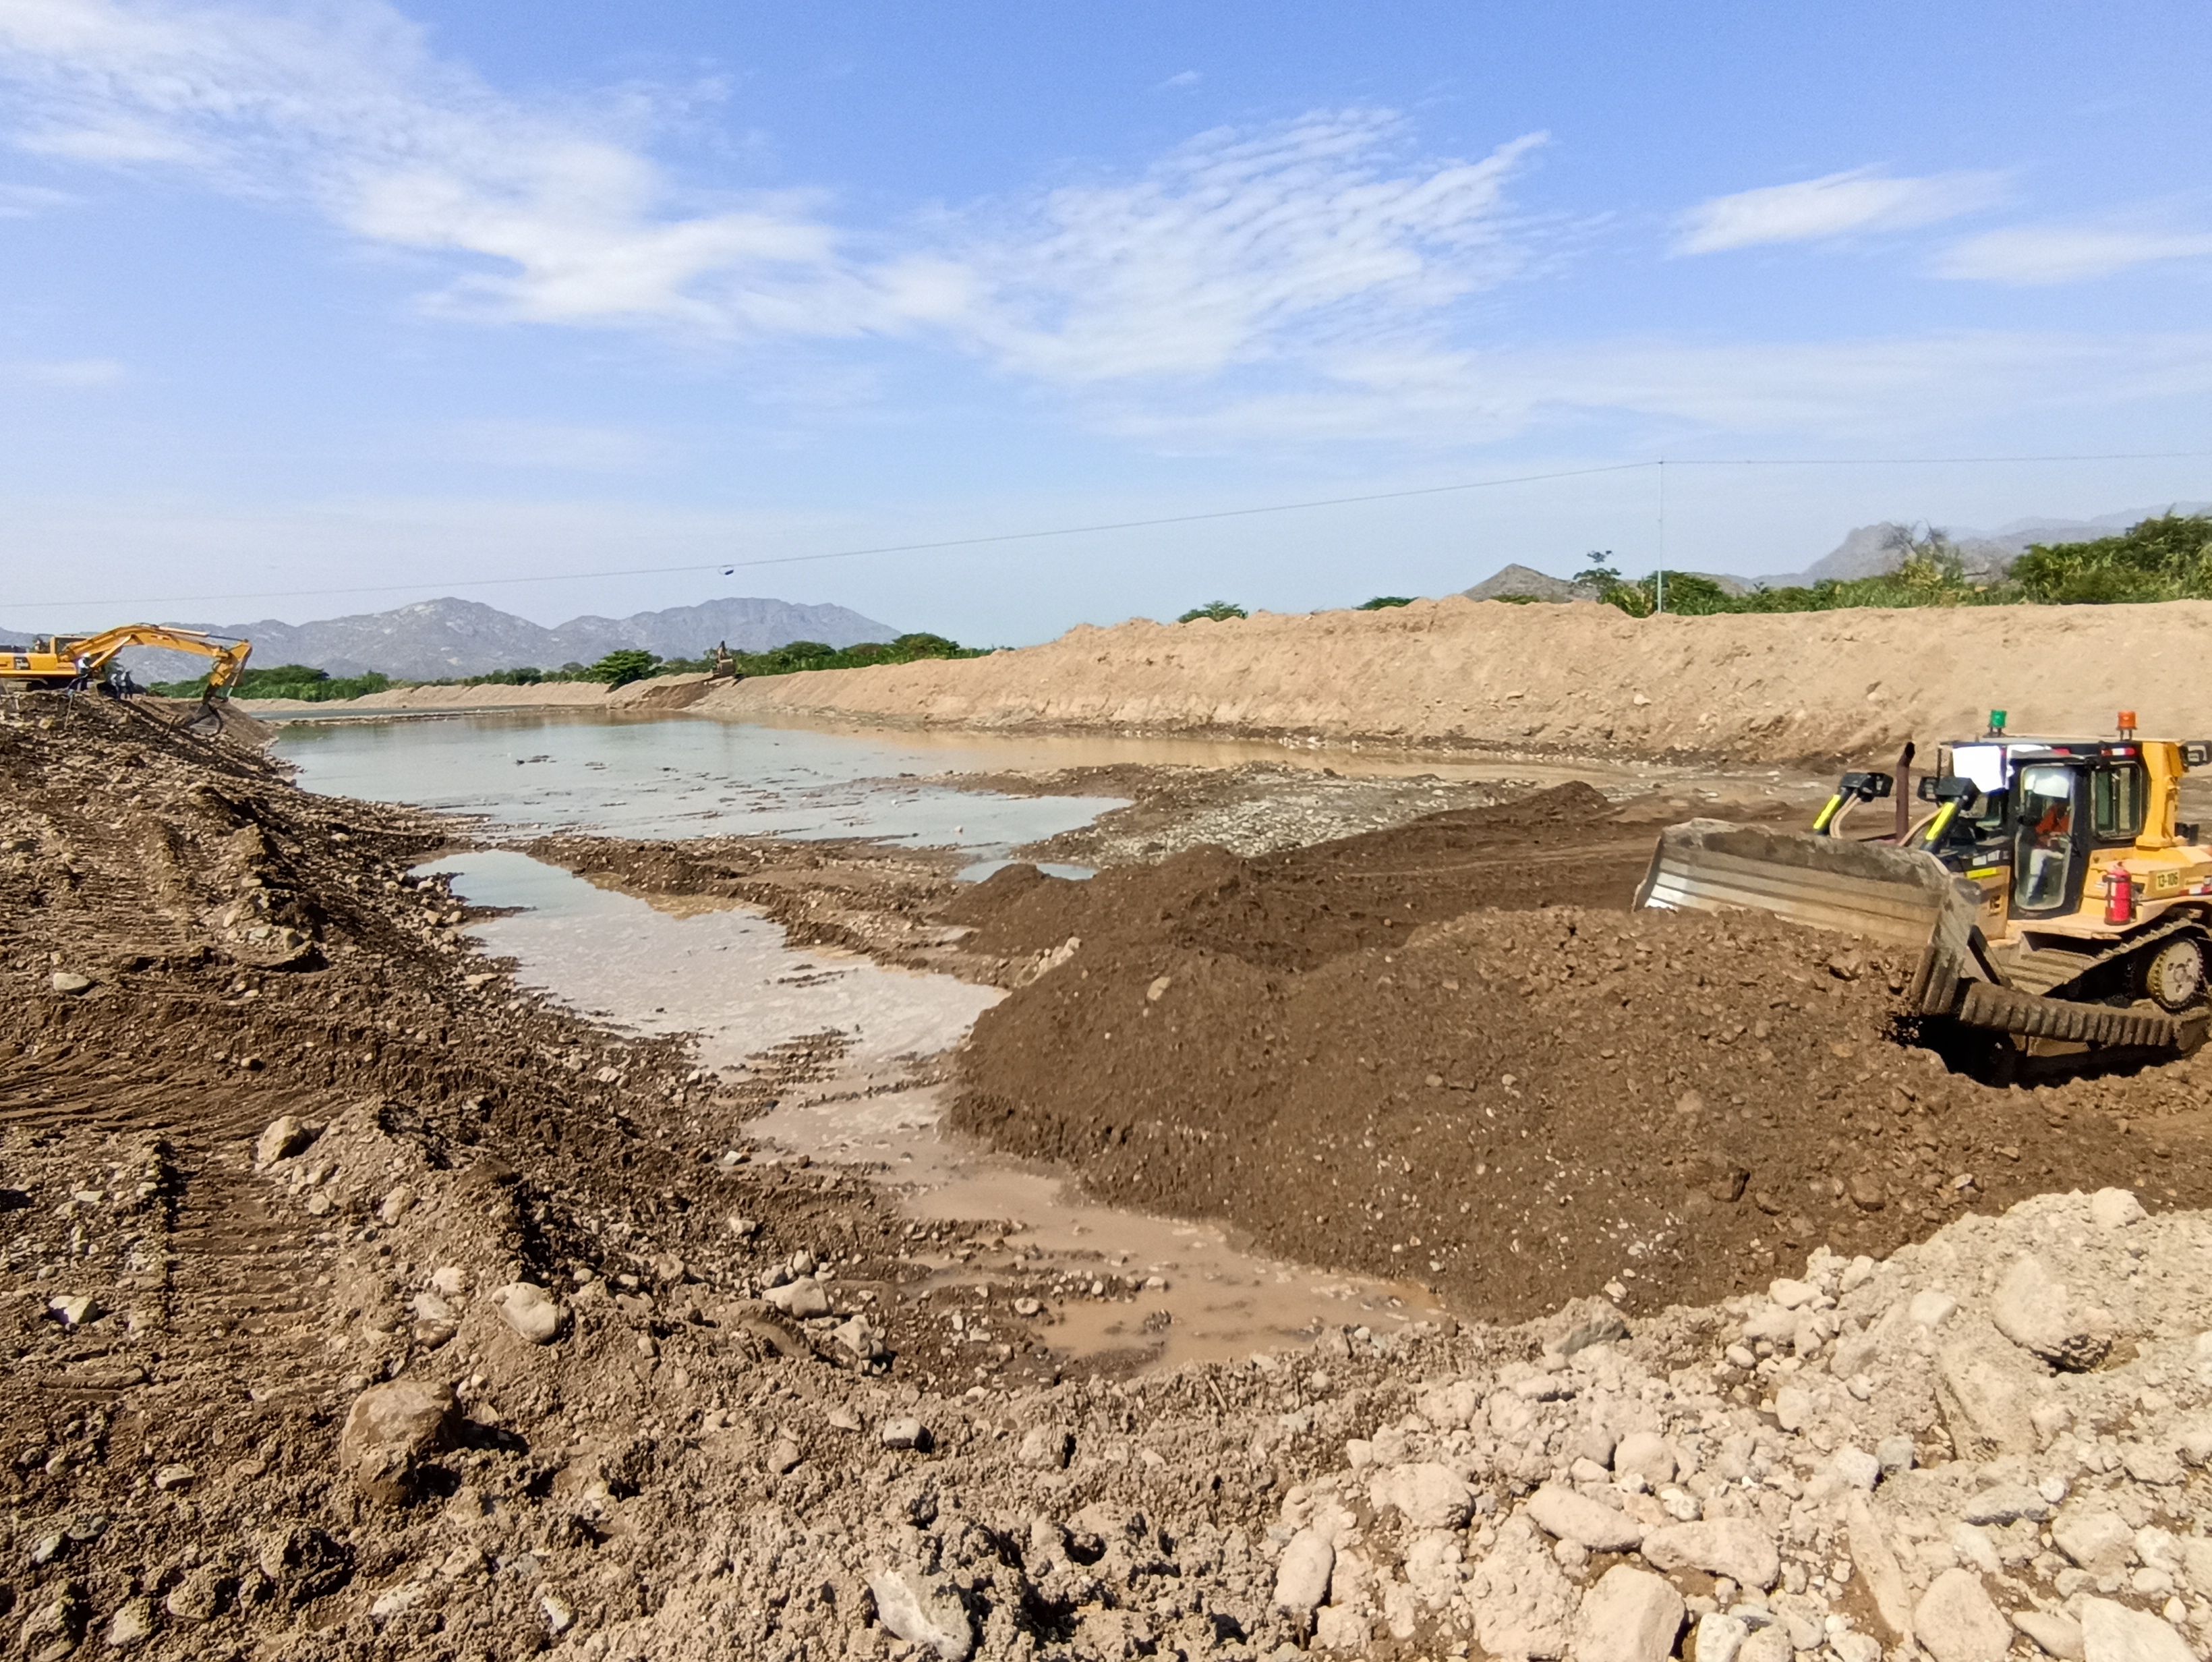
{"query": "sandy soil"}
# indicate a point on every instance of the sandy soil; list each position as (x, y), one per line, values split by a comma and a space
(1457, 674)
(664, 692)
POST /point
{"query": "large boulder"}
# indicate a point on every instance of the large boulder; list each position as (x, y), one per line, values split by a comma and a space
(1630, 1616)
(1737, 1548)
(2034, 1312)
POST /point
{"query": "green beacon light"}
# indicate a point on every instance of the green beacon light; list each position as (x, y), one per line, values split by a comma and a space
(1997, 723)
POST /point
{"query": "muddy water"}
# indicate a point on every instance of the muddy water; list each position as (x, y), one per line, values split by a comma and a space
(672, 778)
(728, 977)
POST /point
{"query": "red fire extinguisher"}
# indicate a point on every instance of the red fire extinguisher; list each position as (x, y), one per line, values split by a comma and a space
(2119, 896)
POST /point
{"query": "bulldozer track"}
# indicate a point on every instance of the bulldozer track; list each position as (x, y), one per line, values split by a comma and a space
(2007, 1010)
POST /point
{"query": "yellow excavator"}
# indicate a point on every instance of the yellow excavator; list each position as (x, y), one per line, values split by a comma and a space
(62, 663)
(2049, 888)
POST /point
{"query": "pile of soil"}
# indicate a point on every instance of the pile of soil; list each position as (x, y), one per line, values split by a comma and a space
(1457, 674)
(1356, 1053)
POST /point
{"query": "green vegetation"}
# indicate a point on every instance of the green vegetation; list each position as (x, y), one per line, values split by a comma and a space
(796, 656)
(285, 681)
(1383, 602)
(625, 665)
(2166, 558)
(1218, 610)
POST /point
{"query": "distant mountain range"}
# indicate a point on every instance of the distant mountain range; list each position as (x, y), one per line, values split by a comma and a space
(440, 640)
(1867, 551)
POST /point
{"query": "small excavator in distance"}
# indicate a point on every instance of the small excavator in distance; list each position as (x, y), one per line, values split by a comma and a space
(2049, 888)
(60, 662)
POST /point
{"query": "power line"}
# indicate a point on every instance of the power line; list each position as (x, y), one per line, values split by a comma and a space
(728, 566)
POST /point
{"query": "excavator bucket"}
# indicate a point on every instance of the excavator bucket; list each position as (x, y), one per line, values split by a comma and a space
(1901, 897)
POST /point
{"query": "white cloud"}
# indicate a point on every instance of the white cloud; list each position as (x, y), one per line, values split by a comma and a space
(1241, 247)
(1179, 82)
(2042, 255)
(564, 218)
(65, 372)
(1835, 206)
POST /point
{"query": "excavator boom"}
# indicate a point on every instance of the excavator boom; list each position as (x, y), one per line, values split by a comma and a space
(65, 660)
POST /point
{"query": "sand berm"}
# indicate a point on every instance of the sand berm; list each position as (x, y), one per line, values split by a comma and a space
(1581, 680)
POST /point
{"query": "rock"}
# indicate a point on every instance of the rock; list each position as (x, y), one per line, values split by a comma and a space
(198, 1597)
(1791, 1293)
(1930, 1309)
(2194, 1442)
(1429, 1495)
(1301, 1574)
(904, 1433)
(783, 1456)
(2099, 1542)
(391, 1426)
(52, 1628)
(1877, 1563)
(1867, 1192)
(1719, 1639)
(918, 1609)
(1521, 1603)
(533, 1313)
(1985, 1398)
(1793, 1408)
(2054, 1635)
(1587, 1523)
(73, 1311)
(174, 1477)
(2196, 1565)
(284, 1137)
(1896, 1454)
(1856, 1467)
(1342, 1628)
(801, 1297)
(68, 981)
(1586, 1323)
(859, 1337)
(2114, 1633)
(2148, 1463)
(1738, 1548)
(395, 1205)
(1647, 1455)
(1767, 1645)
(130, 1625)
(451, 1282)
(559, 1616)
(2116, 1209)
(842, 1418)
(2004, 1503)
(1630, 1616)
(1955, 1622)
(1046, 1448)
(2035, 1313)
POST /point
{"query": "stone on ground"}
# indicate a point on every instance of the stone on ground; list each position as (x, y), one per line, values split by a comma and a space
(919, 1610)
(2114, 1633)
(2036, 1313)
(1431, 1496)
(1302, 1575)
(1955, 1621)
(533, 1313)
(1630, 1616)
(1734, 1547)
(1587, 1523)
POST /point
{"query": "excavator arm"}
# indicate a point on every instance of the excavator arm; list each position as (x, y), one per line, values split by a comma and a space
(61, 661)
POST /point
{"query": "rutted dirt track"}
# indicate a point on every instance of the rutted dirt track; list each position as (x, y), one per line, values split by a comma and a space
(1464, 675)
(355, 1305)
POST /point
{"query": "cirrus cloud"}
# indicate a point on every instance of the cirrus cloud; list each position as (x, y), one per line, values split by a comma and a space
(1834, 206)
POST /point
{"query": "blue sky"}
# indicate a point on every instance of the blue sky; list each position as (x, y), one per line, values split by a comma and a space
(320, 308)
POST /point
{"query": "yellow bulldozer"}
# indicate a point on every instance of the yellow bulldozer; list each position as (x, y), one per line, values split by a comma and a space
(2048, 887)
(63, 662)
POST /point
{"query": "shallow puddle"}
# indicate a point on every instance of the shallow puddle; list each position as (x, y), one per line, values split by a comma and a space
(728, 977)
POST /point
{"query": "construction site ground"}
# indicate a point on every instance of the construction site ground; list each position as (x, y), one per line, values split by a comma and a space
(358, 1302)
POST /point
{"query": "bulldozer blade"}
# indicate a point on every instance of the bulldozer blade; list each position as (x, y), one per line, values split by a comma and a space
(1902, 897)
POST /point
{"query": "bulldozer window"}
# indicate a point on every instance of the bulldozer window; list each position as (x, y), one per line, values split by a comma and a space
(2044, 860)
(2117, 796)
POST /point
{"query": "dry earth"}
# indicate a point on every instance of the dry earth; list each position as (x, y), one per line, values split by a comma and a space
(355, 1305)
(1464, 675)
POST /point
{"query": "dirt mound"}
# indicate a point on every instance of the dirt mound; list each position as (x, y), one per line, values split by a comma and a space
(1459, 674)
(1334, 1050)
(1299, 908)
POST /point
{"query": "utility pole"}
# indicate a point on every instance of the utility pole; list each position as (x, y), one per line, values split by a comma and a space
(1659, 583)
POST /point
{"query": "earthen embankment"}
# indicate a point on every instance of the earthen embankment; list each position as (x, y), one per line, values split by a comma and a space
(1460, 675)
